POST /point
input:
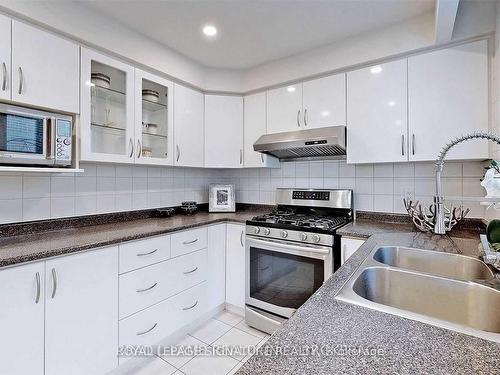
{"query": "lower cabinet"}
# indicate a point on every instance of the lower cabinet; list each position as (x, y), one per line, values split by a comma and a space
(235, 265)
(349, 247)
(216, 275)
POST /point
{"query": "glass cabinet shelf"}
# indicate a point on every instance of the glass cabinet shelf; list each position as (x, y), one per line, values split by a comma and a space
(110, 94)
(109, 126)
(148, 105)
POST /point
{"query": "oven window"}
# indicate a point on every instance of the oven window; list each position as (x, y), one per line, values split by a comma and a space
(284, 280)
(21, 134)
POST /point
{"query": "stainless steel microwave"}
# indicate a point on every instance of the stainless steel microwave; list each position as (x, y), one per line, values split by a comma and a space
(29, 136)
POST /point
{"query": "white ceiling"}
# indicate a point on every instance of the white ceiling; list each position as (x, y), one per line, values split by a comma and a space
(255, 32)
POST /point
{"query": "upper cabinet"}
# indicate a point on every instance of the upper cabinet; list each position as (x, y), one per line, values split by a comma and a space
(448, 97)
(376, 114)
(188, 127)
(107, 109)
(312, 104)
(44, 69)
(223, 131)
(324, 101)
(5, 57)
(153, 119)
(254, 126)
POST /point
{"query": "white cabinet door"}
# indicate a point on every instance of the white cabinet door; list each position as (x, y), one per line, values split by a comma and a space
(188, 127)
(21, 320)
(107, 110)
(216, 270)
(349, 247)
(5, 57)
(45, 69)
(284, 109)
(324, 101)
(235, 265)
(223, 131)
(254, 126)
(154, 119)
(81, 313)
(448, 97)
(376, 114)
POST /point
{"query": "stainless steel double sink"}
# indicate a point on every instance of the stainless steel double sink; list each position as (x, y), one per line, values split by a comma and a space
(442, 289)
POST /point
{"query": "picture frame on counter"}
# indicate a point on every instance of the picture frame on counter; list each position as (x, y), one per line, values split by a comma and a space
(221, 198)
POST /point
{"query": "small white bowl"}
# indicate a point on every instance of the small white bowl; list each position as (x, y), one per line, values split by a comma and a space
(151, 95)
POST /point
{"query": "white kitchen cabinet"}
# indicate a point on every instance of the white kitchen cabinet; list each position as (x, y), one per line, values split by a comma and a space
(235, 265)
(107, 125)
(154, 119)
(81, 313)
(284, 109)
(216, 275)
(188, 127)
(44, 69)
(254, 126)
(223, 131)
(22, 319)
(324, 101)
(5, 57)
(377, 114)
(448, 97)
(348, 247)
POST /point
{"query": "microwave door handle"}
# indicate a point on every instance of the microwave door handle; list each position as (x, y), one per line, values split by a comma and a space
(51, 139)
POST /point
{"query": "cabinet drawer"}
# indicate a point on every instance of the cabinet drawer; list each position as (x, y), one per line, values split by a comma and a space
(137, 254)
(189, 241)
(150, 285)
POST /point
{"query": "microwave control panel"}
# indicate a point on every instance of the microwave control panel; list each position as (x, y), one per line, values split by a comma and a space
(63, 140)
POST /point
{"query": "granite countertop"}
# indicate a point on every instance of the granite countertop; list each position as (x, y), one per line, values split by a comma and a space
(394, 344)
(29, 247)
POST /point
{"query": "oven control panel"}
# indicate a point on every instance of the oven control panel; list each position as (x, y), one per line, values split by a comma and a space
(311, 195)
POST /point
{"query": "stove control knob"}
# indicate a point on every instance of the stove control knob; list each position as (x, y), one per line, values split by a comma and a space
(266, 231)
(303, 236)
(284, 234)
(316, 238)
(256, 230)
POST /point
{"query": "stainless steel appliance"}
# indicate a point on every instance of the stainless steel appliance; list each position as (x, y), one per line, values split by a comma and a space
(310, 144)
(33, 137)
(291, 251)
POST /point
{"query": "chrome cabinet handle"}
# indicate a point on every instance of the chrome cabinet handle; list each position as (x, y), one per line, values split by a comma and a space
(241, 156)
(149, 253)
(131, 144)
(262, 157)
(305, 117)
(147, 331)
(21, 80)
(54, 282)
(37, 298)
(241, 239)
(4, 78)
(178, 152)
(139, 149)
(298, 118)
(193, 270)
(190, 307)
(413, 144)
(190, 242)
(146, 289)
(403, 144)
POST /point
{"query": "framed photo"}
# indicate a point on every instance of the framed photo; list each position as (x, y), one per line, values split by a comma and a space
(221, 198)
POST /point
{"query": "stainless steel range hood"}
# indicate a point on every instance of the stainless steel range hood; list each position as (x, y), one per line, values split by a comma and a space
(310, 144)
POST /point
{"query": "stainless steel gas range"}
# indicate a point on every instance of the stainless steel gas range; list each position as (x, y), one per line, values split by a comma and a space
(291, 252)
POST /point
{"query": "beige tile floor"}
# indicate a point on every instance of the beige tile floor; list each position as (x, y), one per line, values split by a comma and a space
(226, 329)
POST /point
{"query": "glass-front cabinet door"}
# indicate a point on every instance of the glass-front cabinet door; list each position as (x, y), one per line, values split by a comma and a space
(153, 119)
(107, 113)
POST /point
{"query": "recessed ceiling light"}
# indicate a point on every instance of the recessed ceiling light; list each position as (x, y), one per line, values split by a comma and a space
(376, 70)
(290, 89)
(210, 30)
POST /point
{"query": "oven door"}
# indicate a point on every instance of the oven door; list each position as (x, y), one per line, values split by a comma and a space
(24, 137)
(281, 276)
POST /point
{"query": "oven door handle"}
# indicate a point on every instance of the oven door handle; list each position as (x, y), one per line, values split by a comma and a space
(288, 246)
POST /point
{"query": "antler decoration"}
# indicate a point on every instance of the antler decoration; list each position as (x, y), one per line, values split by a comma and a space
(425, 218)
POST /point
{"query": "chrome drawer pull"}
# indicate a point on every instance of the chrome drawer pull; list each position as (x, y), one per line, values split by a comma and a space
(145, 290)
(147, 331)
(188, 272)
(4, 78)
(190, 242)
(54, 282)
(21, 81)
(37, 298)
(144, 254)
(190, 307)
